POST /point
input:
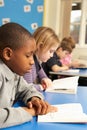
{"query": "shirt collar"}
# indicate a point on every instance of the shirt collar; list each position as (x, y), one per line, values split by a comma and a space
(7, 72)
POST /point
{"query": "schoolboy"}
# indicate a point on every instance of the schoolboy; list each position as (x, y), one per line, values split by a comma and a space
(68, 59)
(17, 46)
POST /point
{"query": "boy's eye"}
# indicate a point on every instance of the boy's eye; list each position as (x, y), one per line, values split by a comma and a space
(29, 55)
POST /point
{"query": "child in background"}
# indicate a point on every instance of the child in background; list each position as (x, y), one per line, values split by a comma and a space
(46, 44)
(17, 46)
(54, 63)
(68, 59)
(73, 64)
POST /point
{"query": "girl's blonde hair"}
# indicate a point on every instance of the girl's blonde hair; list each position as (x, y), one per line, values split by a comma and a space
(46, 36)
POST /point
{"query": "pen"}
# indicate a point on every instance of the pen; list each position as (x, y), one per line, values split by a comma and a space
(60, 89)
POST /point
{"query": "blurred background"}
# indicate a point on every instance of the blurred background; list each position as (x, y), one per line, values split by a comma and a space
(66, 17)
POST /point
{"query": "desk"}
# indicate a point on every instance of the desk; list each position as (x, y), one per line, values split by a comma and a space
(81, 73)
(54, 98)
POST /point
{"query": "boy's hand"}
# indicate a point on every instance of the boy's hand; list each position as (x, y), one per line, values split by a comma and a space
(41, 107)
(30, 111)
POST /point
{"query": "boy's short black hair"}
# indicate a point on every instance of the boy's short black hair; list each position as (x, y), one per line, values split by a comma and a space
(13, 35)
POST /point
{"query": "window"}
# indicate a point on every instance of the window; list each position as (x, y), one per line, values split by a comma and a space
(78, 22)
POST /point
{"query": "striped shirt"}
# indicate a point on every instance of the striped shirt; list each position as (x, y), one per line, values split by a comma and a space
(36, 75)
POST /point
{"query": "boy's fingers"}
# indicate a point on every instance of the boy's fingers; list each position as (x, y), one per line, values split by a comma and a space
(29, 105)
(46, 107)
(41, 107)
(53, 109)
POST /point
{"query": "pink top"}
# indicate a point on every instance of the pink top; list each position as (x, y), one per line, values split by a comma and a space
(66, 60)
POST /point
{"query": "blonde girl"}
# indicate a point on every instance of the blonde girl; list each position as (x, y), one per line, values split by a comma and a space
(46, 44)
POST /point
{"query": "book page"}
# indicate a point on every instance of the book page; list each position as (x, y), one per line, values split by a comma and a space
(71, 112)
(65, 85)
(72, 71)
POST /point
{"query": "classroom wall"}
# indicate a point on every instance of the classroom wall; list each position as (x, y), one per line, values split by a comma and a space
(28, 13)
(52, 18)
(34, 13)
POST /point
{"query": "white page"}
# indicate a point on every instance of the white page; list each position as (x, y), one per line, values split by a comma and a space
(72, 112)
(72, 71)
(69, 83)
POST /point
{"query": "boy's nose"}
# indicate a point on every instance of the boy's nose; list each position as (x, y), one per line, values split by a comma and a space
(31, 61)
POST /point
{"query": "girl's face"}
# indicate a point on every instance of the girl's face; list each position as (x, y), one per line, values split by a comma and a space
(44, 55)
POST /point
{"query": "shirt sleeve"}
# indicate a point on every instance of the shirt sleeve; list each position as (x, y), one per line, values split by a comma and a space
(42, 74)
(31, 77)
(26, 91)
(10, 116)
(52, 61)
(13, 116)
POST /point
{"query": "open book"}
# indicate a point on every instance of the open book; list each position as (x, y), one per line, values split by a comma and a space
(67, 113)
(64, 85)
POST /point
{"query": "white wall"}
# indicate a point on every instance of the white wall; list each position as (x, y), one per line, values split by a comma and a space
(52, 17)
(52, 14)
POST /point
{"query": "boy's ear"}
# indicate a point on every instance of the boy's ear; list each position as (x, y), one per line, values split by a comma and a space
(7, 53)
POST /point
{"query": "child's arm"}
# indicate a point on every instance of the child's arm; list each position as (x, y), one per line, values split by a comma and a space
(27, 91)
(56, 68)
(13, 116)
(31, 77)
(45, 81)
(42, 74)
(75, 64)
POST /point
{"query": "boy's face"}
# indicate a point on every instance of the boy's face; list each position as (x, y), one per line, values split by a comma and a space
(62, 53)
(21, 60)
